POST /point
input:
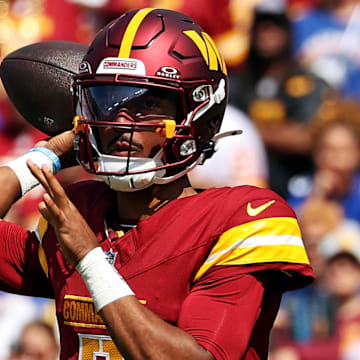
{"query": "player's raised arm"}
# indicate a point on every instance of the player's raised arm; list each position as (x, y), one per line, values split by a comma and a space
(15, 177)
(44, 100)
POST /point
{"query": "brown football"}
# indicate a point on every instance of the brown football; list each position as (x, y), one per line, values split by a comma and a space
(37, 79)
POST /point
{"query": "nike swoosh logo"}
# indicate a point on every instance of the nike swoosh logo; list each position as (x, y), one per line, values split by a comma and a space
(256, 211)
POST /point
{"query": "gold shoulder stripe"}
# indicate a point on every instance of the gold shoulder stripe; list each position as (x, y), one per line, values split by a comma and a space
(130, 32)
(264, 240)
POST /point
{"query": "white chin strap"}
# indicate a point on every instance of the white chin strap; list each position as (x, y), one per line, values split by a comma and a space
(128, 183)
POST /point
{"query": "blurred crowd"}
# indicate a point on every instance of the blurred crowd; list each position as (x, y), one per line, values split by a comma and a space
(294, 69)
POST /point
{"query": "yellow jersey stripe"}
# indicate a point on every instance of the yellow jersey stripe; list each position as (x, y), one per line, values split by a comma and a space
(264, 240)
(252, 242)
(130, 32)
(76, 297)
(262, 227)
(88, 326)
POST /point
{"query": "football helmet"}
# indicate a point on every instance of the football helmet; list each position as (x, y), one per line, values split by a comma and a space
(151, 74)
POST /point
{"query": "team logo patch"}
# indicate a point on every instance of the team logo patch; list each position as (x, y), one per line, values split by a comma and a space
(111, 256)
(168, 72)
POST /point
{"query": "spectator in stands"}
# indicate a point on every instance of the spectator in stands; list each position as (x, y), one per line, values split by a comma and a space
(37, 341)
(239, 159)
(307, 313)
(326, 40)
(341, 248)
(277, 93)
(336, 156)
(335, 336)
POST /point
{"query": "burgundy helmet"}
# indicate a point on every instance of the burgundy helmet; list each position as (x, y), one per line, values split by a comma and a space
(150, 70)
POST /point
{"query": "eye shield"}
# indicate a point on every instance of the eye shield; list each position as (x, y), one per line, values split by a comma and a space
(106, 102)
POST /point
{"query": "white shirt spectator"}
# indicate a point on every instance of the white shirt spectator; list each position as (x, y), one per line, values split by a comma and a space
(239, 160)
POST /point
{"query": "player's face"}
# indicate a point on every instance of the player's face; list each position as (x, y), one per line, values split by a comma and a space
(116, 142)
(127, 106)
(338, 150)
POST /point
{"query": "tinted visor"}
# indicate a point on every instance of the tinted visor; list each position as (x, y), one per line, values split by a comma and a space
(105, 102)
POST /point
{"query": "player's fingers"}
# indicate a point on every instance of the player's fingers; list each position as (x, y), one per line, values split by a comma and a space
(38, 174)
(53, 210)
(44, 211)
(57, 192)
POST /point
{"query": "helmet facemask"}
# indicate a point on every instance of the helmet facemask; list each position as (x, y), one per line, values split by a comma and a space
(129, 132)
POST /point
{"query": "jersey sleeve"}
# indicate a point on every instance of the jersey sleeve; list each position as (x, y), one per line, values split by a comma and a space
(20, 268)
(230, 313)
(261, 231)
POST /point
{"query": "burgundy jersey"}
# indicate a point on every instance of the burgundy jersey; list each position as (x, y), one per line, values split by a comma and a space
(214, 264)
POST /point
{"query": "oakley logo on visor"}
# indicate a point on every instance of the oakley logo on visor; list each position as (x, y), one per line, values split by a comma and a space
(121, 66)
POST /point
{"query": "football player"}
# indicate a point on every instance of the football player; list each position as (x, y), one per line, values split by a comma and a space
(140, 266)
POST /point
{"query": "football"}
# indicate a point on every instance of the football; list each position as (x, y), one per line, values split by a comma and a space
(37, 79)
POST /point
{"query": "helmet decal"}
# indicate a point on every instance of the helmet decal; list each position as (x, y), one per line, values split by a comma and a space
(208, 50)
(113, 65)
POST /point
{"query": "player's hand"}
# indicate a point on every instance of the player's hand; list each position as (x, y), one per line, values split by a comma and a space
(63, 146)
(73, 233)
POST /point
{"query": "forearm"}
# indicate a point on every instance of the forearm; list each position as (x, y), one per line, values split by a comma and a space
(10, 189)
(16, 179)
(141, 334)
(138, 332)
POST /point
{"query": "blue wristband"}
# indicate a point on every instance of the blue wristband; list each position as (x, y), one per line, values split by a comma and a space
(51, 155)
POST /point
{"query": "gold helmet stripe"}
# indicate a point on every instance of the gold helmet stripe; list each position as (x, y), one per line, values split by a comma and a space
(130, 32)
